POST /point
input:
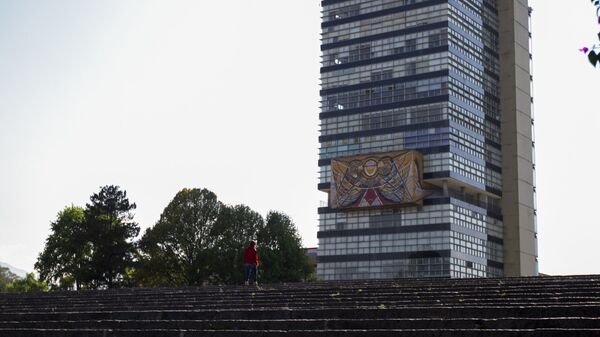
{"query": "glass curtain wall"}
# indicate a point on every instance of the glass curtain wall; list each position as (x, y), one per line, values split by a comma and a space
(413, 75)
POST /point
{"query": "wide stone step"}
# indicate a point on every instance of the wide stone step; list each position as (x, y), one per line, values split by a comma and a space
(556, 306)
(287, 313)
(341, 303)
(259, 295)
(465, 290)
(303, 333)
(359, 295)
(452, 285)
(315, 324)
(307, 288)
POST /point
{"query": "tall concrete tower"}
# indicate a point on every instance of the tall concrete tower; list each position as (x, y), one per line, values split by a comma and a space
(426, 140)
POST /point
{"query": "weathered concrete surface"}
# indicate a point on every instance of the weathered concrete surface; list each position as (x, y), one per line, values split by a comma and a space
(540, 306)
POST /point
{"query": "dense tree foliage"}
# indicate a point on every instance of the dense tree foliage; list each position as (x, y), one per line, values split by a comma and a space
(235, 227)
(91, 247)
(11, 283)
(111, 231)
(29, 284)
(283, 258)
(177, 250)
(197, 240)
(6, 277)
(64, 262)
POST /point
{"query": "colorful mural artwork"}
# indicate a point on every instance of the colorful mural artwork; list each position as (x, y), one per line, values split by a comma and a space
(377, 180)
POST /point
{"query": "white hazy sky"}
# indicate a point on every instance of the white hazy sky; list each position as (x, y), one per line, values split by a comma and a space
(155, 96)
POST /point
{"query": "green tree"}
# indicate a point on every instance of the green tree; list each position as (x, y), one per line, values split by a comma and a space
(177, 250)
(28, 284)
(6, 277)
(110, 230)
(280, 249)
(64, 262)
(235, 227)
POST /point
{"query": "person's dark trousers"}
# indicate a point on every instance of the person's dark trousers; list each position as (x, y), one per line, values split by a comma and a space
(250, 273)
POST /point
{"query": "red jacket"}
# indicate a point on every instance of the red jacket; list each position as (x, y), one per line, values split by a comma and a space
(250, 256)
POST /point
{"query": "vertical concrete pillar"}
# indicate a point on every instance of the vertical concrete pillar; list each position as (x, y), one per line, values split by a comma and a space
(520, 256)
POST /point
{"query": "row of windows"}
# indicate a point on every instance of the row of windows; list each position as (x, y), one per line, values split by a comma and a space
(437, 162)
(329, 250)
(407, 242)
(490, 27)
(466, 94)
(406, 116)
(385, 70)
(388, 263)
(492, 131)
(377, 218)
(398, 68)
(495, 251)
(466, 118)
(405, 140)
(467, 143)
(422, 218)
(467, 269)
(493, 155)
(384, 119)
(398, 268)
(402, 91)
(467, 168)
(385, 94)
(473, 7)
(357, 7)
(336, 32)
(467, 47)
(470, 219)
(492, 64)
(412, 216)
(385, 47)
(401, 44)
(405, 268)
(468, 25)
(384, 24)
(468, 244)
(491, 86)
(466, 70)
(459, 264)
(491, 107)
(385, 145)
(384, 240)
(493, 179)
(415, 139)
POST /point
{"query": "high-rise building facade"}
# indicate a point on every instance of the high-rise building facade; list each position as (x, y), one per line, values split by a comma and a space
(426, 140)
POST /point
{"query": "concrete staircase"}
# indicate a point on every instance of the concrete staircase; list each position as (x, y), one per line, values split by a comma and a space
(544, 306)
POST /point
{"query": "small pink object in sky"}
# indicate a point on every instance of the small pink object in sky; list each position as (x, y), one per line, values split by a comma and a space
(584, 49)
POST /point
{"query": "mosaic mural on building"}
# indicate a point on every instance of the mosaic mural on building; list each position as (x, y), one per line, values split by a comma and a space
(377, 180)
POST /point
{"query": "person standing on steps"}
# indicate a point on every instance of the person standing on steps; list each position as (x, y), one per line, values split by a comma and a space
(251, 264)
